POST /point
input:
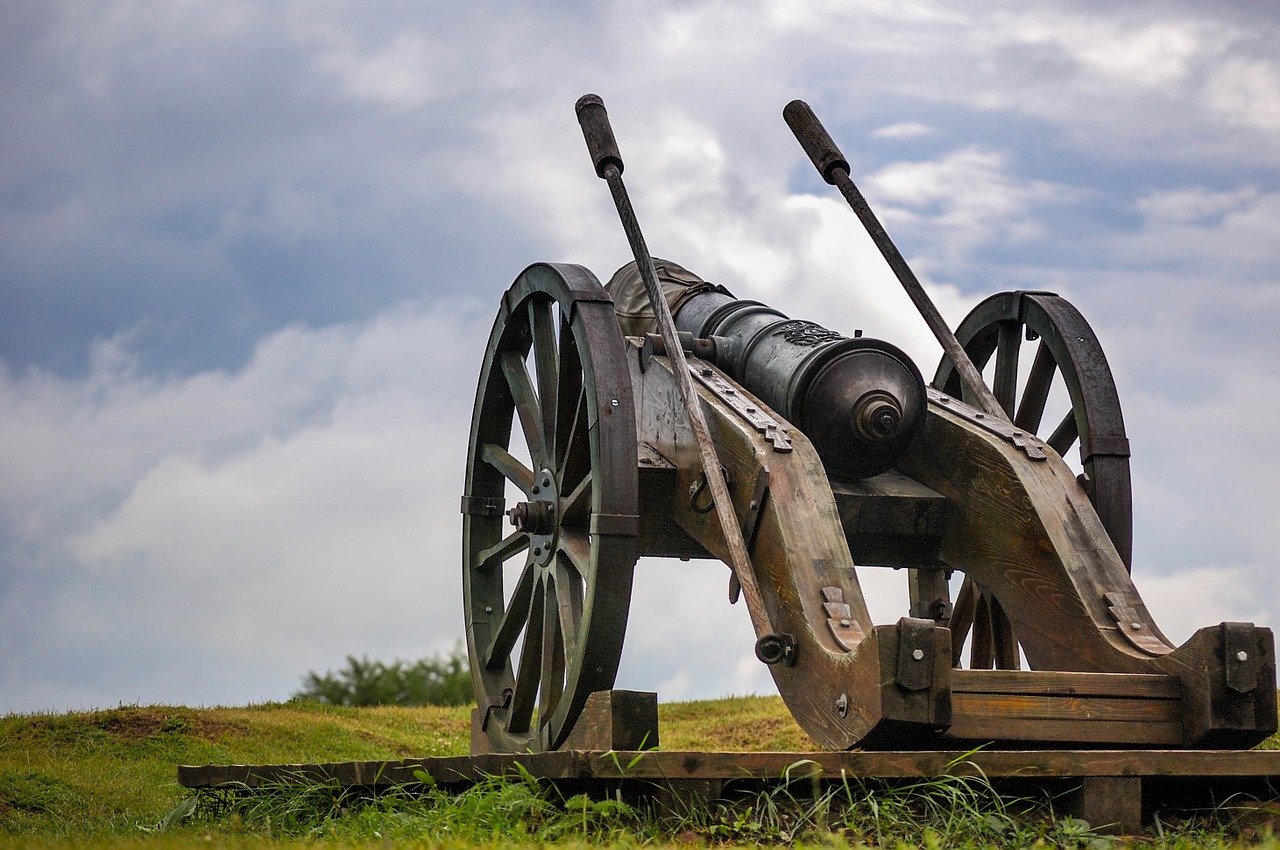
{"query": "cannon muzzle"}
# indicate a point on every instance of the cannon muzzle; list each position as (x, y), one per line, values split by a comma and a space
(861, 401)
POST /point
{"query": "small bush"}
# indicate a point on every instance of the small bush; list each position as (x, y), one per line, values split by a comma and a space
(438, 680)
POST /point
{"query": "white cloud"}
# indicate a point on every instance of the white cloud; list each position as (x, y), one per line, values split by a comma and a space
(1194, 204)
(1245, 92)
(1144, 53)
(903, 130)
(307, 503)
(402, 74)
(1229, 234)
(305, 500)
(964, 200)
(1185, 601)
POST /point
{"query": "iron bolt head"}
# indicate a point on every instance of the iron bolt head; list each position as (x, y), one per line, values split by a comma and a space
(1137, 627)
(613, 402)
(1242, 656)
(845, 623)
(917, 654)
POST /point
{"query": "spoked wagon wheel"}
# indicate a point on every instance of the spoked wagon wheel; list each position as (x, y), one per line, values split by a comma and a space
(555, 370)
(1067, 347)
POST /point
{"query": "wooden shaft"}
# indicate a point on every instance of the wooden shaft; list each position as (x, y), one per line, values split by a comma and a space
(740, 559)
(834, 168)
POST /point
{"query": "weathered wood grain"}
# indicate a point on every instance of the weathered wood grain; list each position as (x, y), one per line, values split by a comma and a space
(1049, 683)
(568, 764)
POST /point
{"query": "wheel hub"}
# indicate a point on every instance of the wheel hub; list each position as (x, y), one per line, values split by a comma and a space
(538, 517)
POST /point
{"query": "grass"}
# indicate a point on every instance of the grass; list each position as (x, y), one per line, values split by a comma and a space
(108, 778)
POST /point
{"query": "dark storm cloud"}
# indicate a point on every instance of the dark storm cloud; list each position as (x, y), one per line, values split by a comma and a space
(203, 174)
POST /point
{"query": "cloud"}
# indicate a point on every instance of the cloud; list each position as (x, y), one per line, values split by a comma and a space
(903, 130)
(965, 200)
(248, 256)
(305, 504)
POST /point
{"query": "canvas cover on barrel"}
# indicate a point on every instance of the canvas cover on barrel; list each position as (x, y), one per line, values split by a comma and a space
(631, 301)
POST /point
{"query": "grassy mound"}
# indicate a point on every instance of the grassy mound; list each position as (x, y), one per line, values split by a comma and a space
(109, 778)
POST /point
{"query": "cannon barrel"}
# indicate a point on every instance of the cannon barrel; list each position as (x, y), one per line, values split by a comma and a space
(861, 401)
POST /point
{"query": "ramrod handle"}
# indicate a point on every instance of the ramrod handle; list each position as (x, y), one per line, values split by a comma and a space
(814, 139)
(834, 168)
(598, 134)
(608, 162)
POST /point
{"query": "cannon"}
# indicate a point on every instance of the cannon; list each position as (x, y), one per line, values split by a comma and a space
(662, 416)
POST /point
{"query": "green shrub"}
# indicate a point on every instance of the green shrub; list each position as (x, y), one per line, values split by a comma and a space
(438, 680)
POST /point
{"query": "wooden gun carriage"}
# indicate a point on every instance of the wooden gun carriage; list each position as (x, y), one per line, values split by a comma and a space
(722, 428)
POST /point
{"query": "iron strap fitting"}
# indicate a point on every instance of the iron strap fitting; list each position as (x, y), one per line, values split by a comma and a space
(615, 525)
(710, 348)
(1029, 444)
(915, 653)
(1104, 445)
(846, 630)
(1240, 650)
(483, 505)
(747, 408)
(750, 525)
(493, 703)
(1135, 631)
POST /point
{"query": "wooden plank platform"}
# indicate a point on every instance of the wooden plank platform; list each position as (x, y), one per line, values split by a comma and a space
(1066, 708)
(1104, 786)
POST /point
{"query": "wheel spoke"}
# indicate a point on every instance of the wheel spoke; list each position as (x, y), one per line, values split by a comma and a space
(553, 665)
(576, 549)
(575, 454)
(1065, 434)
(980, 651)
(1035, 395)
(509, 546)
(570, 399)
(526, 401)
(569, 598)
(1005, 383)
(961, 619)
(513, 621)
(525, 695)
(577, 505)
(546, 366)
(503, 461)
(1006, 645)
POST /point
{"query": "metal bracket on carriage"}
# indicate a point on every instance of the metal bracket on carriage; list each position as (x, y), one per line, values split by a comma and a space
(915, 653)
(764, 424)
(779, 648)
(713, 349)
(1139, 634)
(483, 505)
(1239, 649)
(840, 620)
(1027, 443)
(750, 524)
(501, 701)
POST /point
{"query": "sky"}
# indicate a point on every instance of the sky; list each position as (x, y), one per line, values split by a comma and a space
(250, 254)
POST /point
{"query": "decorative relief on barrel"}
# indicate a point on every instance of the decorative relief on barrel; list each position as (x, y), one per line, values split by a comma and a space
(805, 334)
